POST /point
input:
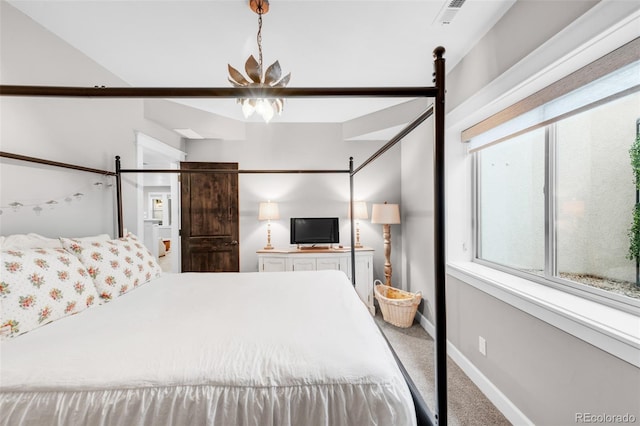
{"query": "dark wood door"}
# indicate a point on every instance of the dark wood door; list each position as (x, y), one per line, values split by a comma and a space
(210, 224)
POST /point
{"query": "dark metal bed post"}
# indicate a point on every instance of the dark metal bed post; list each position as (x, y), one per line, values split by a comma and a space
(439, 241)
(119, 197)
(351, 219)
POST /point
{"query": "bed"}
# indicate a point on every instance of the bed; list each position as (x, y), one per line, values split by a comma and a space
(231, 348)
(74, 371)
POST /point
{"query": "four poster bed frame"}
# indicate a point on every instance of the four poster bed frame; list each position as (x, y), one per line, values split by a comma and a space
(423, 414)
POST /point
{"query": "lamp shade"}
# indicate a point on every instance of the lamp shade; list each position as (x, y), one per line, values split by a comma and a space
(268, 211)
(360, 209)
(388, 214)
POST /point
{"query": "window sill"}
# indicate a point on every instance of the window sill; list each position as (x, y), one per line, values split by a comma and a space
(614, 331)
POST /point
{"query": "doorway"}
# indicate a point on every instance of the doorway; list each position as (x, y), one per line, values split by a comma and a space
(158, 214)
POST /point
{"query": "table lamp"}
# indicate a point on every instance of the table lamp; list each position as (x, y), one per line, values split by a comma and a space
(386, 214)
(268, 211)
(360, 210)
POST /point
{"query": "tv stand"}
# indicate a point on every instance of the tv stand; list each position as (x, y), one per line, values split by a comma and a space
(325, 257)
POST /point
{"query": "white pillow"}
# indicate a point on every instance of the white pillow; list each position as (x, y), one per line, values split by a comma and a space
(91, 238)
(28, 241)
(31, 241)
(40, 285)
(116, 266)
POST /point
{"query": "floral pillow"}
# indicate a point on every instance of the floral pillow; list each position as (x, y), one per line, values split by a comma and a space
(38, 286)
(116, 266)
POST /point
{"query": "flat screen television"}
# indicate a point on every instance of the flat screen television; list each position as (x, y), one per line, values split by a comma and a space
(314, 230)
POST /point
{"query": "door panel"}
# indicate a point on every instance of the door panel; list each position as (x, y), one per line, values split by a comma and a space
(210, 224)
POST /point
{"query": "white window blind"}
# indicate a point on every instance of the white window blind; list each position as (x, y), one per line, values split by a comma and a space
(614, 75)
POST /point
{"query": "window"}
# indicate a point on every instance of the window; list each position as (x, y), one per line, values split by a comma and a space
(511, 202)
(595, 196)
(555, 198)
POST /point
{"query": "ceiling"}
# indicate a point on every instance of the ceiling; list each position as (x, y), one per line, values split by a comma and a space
(328, 43)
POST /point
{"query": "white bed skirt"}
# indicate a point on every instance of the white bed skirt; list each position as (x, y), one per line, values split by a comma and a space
(264, 349)
(225, 405)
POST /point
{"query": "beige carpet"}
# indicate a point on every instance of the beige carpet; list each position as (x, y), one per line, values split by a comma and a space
(466, 404)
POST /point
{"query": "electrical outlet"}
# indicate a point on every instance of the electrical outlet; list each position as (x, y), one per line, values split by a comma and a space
(482, 345)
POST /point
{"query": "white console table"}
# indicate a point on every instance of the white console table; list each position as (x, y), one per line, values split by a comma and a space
(294, 259)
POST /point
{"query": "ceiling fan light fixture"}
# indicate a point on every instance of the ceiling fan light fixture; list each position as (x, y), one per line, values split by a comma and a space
(272, 77)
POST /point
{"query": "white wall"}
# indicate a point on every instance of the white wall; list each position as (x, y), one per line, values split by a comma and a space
(91, 132)
(547, 374)
(88, 132)
(523, 29)
(538, 372)
(63, 212)
(417, 212)
(303, 147)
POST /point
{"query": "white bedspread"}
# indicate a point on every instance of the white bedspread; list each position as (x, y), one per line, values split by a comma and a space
(291, 348)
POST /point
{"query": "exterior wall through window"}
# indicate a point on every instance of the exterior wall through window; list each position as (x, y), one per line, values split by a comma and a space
(558, 202)
(555, 190)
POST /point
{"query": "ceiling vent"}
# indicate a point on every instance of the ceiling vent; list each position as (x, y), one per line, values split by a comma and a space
(448, 11)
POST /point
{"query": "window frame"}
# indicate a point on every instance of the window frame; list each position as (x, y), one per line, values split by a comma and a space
(550, 278)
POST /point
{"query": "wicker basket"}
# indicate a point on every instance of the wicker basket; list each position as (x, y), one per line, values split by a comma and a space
(398, 307)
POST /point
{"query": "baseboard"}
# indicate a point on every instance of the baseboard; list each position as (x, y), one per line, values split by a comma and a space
(426, 324)
(497, 398)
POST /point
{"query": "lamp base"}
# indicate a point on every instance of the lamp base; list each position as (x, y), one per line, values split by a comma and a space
(358, 245)
(269, 247)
